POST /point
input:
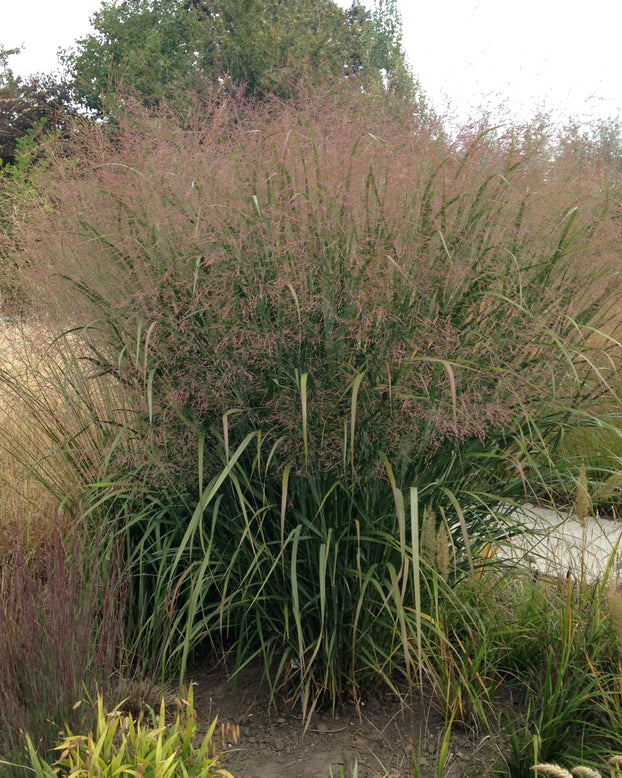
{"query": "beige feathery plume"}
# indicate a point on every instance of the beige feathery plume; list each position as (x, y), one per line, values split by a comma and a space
(554, 770)
(443, 544)
(585, 772)
(583, 503)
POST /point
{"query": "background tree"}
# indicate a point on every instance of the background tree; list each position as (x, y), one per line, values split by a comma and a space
(39, 102)
(159, 48)
(29, 109)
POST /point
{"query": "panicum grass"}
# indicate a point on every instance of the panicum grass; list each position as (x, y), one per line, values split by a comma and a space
(317, 321)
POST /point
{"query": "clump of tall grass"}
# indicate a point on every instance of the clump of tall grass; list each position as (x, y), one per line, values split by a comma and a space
(324, 319)
(62, 586)
(61, 631)
(28, 505)
(452, 284)
(59, 418)
(562, 653)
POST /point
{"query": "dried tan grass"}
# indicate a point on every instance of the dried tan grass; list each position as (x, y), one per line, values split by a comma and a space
(28, 507)
(40, 410)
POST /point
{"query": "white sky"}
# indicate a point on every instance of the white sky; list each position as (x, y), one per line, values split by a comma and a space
(475, 53)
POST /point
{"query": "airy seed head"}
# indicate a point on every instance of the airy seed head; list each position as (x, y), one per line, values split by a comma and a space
(587, 772)
(554, 770)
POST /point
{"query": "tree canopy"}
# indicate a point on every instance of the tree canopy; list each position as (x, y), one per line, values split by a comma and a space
(159, 48)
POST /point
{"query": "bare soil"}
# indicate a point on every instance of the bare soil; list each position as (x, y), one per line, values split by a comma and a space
(383, 736)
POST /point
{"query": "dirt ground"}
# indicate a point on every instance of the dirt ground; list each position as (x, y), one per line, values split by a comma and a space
(382, 738)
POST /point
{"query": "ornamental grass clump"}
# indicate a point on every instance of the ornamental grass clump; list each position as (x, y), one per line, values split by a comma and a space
(448, 283)
(323, 318)
(61, 630)
(567, 700)
(62, 589)
(59, 420)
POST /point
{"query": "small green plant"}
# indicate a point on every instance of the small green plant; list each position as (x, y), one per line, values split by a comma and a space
(439, 769)
(342, 772)
(123, 746)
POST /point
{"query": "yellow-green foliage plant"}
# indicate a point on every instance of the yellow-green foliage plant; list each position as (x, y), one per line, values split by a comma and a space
(123, 746)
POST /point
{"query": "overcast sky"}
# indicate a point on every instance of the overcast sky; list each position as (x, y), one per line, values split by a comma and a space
(537, 54)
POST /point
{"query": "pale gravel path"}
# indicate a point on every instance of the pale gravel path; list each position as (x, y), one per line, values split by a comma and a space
(563, 545)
